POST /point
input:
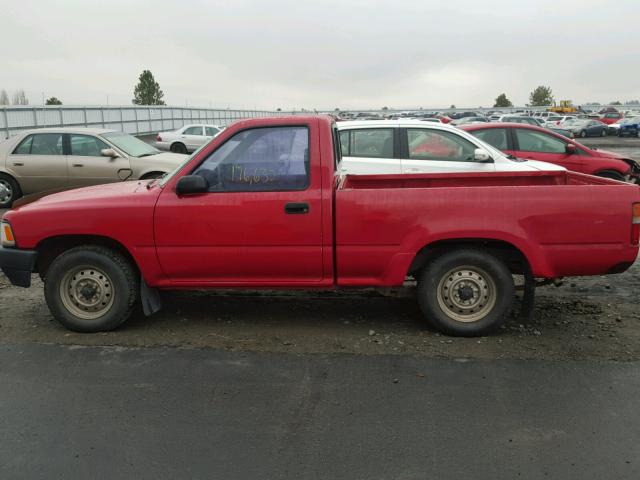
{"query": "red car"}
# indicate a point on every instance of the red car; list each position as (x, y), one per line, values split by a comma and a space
(262, 206)
(536, 143)
(610, 117)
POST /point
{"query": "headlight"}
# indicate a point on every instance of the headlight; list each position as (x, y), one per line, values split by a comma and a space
(6, 235)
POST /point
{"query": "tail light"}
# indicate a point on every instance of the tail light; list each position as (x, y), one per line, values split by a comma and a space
(158, 138)
(635, 224)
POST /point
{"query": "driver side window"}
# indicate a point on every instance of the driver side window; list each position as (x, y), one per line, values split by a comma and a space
(532, 141)
(259, 160)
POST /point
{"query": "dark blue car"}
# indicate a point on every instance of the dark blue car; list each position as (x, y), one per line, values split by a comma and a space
(629, 127)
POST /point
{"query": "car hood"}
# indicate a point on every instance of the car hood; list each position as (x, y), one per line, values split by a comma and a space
(607, 154)
(110, 194)
(165, 159)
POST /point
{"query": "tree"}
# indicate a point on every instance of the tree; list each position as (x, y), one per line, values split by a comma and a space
(20, 98)
(503, 101)
(632, 102)
(617, 102)
(541, 97)
(53, 101)
(147, 92)
(278, 109)
(4, 98)
(452, 106)
(385, 108)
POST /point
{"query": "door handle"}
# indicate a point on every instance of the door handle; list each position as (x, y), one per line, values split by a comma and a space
(78, 165)
(296, 208)
(18, 164)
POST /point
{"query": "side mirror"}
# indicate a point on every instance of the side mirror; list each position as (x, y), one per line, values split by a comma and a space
(570, 149)
(482, 156)
(191, 184)
(109, 152)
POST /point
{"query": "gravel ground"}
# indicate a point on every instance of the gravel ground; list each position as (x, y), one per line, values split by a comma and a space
(586, 318)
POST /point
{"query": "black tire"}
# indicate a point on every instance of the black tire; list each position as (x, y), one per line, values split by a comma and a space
(9, 190)
(612, 175)
(583, 133)
(178, 147)
(118, 284)
(451, 272)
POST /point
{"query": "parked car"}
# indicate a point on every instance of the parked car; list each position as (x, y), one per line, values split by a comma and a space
(584, 127)
(187, 138)
(63, 158)
(538, 122)
(536, 143)
(615, 128)
(409, 146)
(466, 120)
(629, 127)
(610, 117)
(462, 236)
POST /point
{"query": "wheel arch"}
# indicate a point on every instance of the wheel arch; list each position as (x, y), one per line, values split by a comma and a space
(516, 260)
(50, 248)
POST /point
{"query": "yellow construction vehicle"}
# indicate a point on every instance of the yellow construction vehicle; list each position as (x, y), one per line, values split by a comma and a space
(566, 106)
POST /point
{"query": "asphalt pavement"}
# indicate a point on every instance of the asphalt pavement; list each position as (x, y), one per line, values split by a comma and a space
(95, 412)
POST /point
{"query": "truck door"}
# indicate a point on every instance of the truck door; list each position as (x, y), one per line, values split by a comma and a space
(260, 220)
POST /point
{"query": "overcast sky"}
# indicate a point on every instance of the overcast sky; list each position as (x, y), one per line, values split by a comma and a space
(346, 53)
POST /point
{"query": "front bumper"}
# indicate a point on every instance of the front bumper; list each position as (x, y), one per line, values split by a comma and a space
(18, 265)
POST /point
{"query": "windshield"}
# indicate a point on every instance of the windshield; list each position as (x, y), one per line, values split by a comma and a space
(130, 144)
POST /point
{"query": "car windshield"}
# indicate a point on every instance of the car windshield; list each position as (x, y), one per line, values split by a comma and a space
(130, 144)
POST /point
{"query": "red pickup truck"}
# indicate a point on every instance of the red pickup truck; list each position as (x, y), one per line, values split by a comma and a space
(261, 206)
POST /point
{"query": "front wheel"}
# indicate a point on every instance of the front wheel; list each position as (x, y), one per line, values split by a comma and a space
(178, 148)
(583, 133)
(9, 190)
(604, 133)
(466, 292)
(91, 289)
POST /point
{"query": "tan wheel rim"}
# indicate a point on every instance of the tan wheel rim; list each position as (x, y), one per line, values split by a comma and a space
(87, 292)
(466, 294)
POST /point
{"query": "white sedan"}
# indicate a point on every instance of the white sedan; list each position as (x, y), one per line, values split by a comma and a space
(187, 138)
(412, 146)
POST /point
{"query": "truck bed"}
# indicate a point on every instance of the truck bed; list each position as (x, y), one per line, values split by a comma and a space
(564, 223)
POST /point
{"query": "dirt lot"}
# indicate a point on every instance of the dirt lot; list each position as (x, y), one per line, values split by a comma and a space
(586, 318)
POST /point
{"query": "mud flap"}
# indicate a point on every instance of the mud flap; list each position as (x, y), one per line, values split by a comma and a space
(528, 295)
(150, 298)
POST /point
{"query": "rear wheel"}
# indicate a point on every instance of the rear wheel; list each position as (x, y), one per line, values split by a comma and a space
(91, 289)
(9, 190)
(178, 148)
(611, 174)
(466, 292)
